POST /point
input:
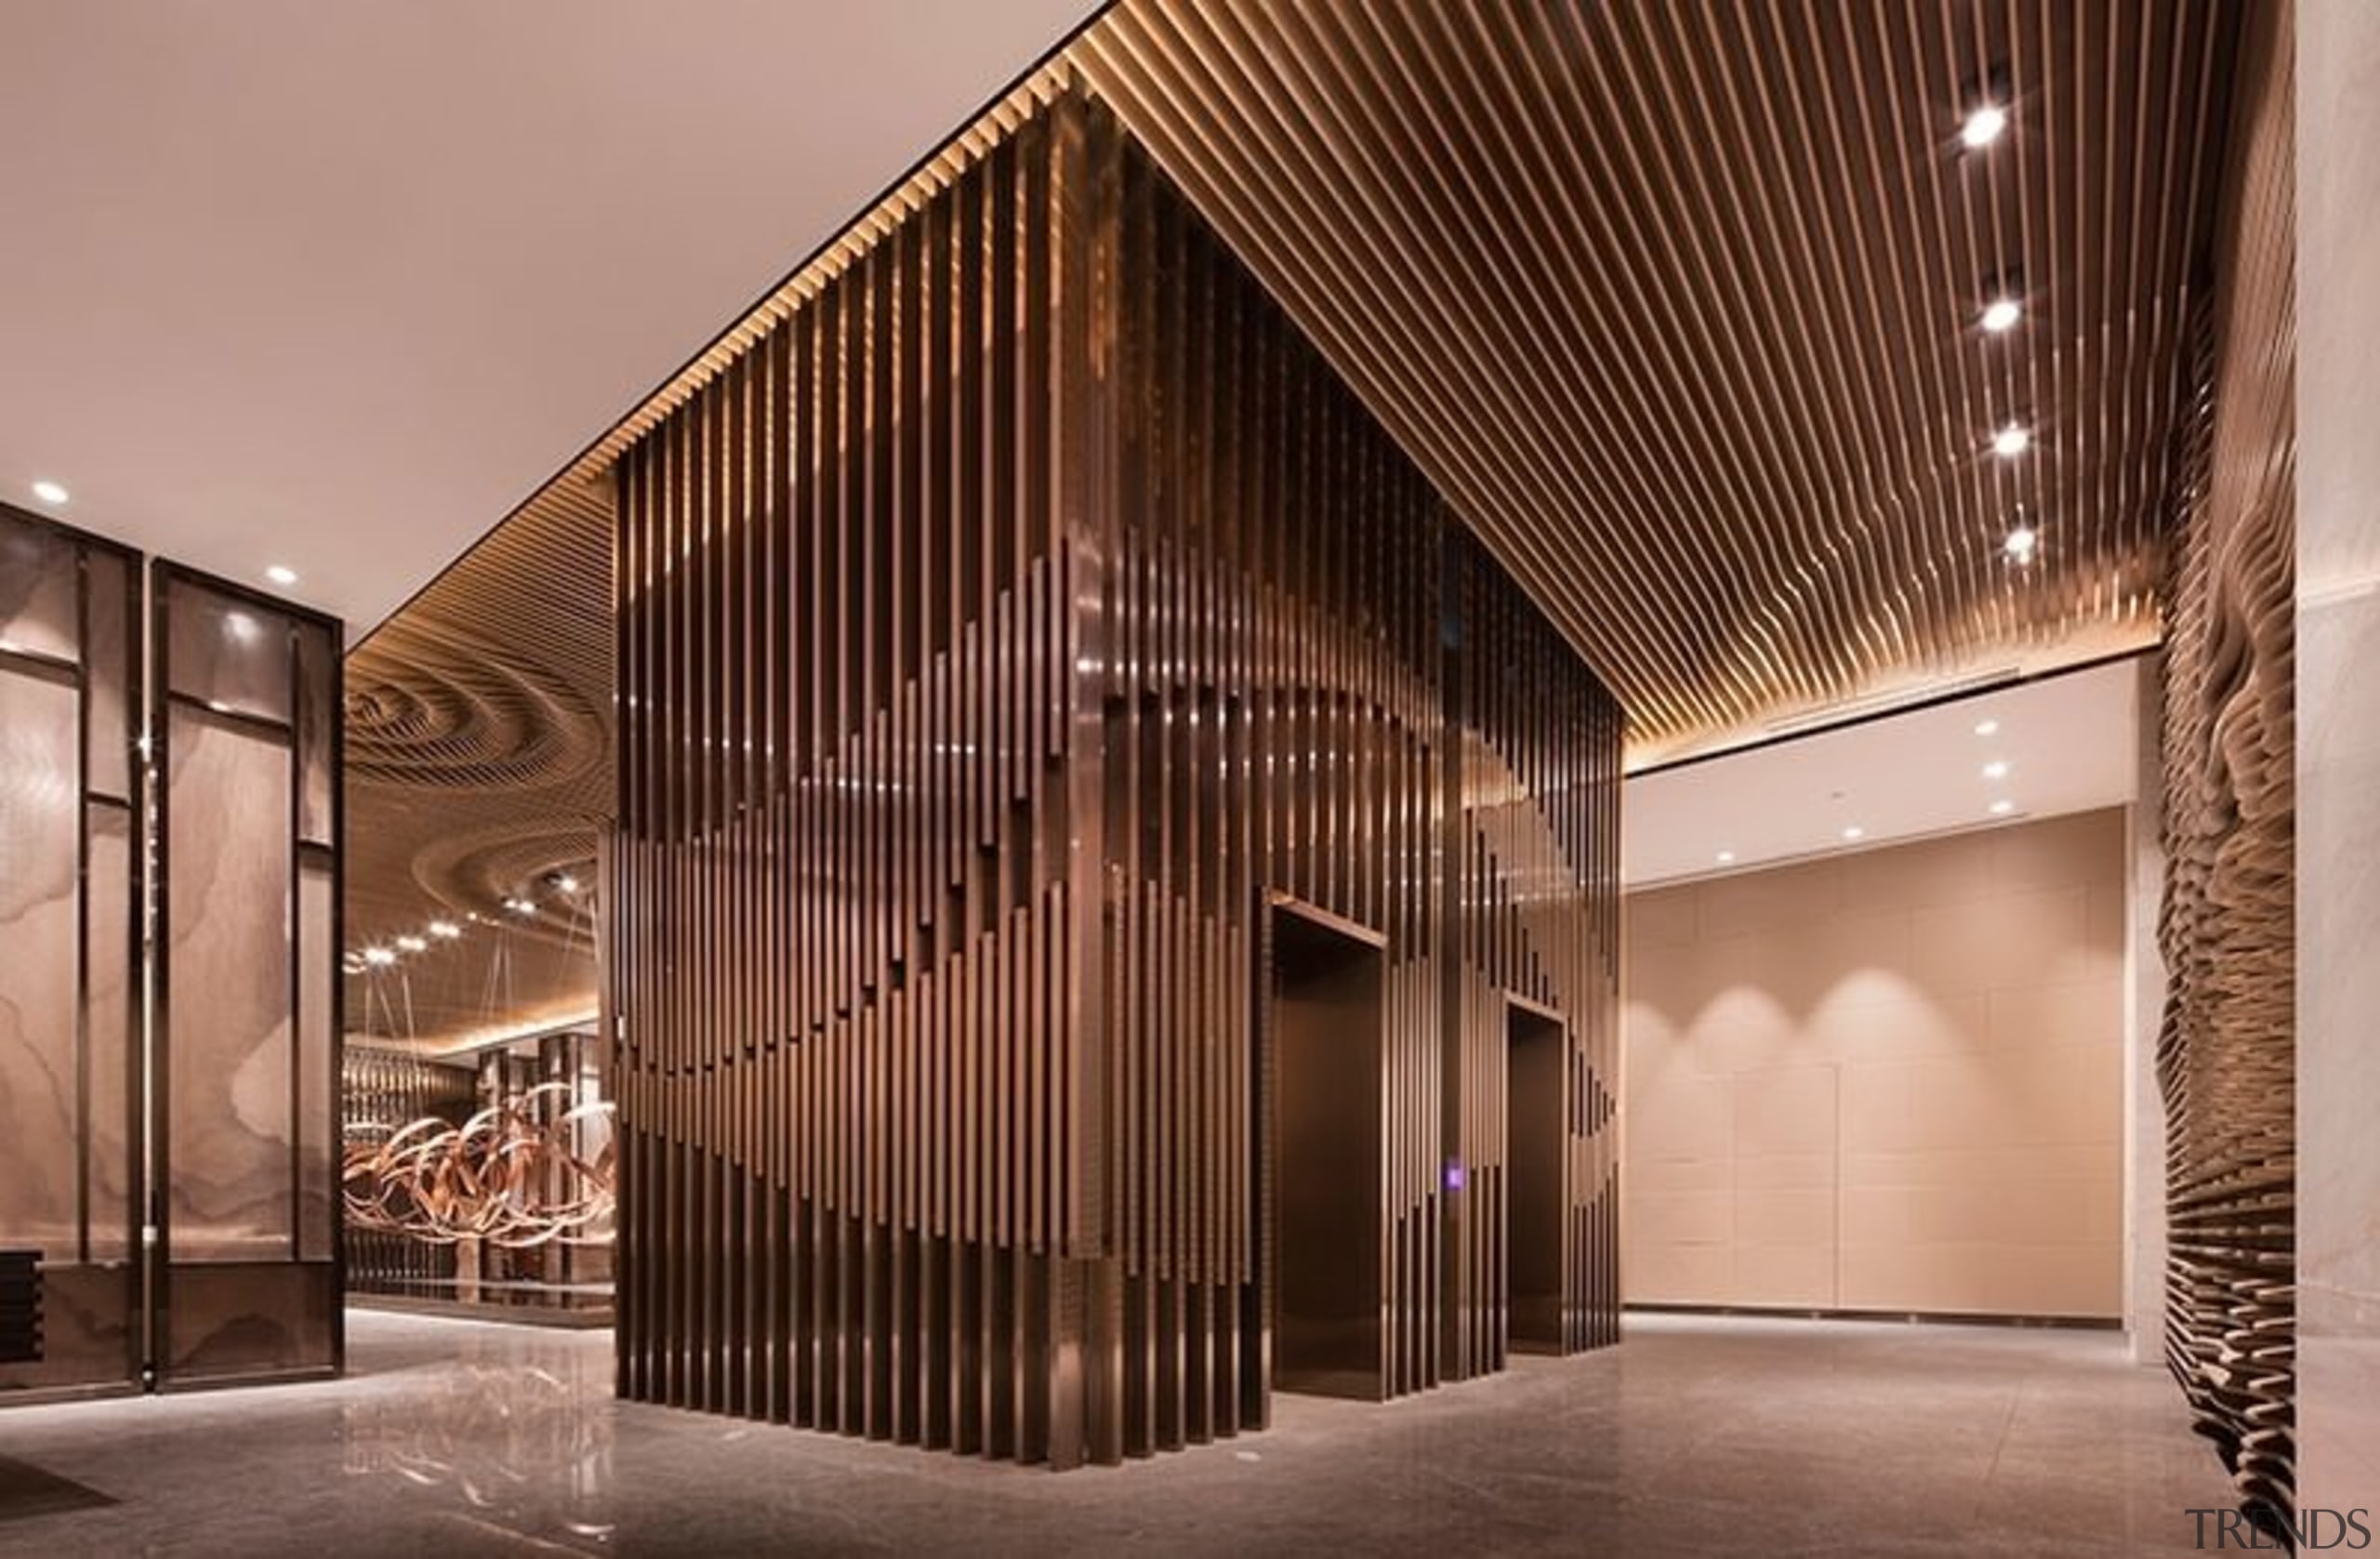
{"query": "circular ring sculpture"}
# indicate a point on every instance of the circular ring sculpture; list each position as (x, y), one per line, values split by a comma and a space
(505, 1177)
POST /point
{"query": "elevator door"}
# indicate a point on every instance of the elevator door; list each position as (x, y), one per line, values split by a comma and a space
(1326, 1029)
(1534, 1084)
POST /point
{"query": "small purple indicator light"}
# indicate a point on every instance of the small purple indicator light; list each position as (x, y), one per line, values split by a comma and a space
(1454, 1174)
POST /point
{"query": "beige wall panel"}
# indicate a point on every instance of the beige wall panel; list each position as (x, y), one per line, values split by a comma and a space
(1784, 1110)
(1664, 920)
(1785, 1275)
(1910, 876)
(1904, 1066)
(1662, 1272)
(1758, 902)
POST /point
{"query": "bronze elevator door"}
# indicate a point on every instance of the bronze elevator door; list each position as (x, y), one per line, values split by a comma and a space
(1535, 1092)
(1326, 1026)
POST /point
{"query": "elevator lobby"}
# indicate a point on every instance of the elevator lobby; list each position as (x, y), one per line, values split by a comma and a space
(1200, 776)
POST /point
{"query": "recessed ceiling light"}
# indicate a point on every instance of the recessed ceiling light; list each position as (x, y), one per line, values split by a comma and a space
(2003, 808)
(49, 491)
(2002, 313)
(2010, 441)
(2022, 543)
(281, 576)
(1986, 728)
(1727, 857)
(1855, 832)
(1983, 125)
(1996, 769)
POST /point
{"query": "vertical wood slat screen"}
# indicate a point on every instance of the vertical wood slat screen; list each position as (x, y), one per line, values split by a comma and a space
(994, 637)
(2227, 1054)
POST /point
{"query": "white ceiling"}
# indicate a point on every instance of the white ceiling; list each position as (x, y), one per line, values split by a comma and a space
(335, 286)
(2070, 743)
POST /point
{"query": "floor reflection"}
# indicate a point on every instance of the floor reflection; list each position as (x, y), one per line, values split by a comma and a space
(528, 1447)
(1695, 1438)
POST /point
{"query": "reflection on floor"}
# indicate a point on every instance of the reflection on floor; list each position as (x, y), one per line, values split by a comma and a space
(1695, 1437)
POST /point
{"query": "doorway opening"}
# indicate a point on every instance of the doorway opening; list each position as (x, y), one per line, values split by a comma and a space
(1325, 1027)
(1535, 1083)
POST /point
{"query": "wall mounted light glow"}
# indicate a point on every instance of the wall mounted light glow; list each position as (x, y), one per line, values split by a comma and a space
(50, 493)
(2002, 313)
(2022, 543)
(1986, 728)
(1855, 832)
(281, 576)
(2003, 808)
(1996, 769)
(2012, 441)
(1984, 126)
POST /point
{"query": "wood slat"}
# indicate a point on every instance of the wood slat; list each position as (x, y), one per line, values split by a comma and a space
(2226, 1053)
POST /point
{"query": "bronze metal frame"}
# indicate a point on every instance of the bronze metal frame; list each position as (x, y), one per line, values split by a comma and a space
(130, 805)
(300, 1298)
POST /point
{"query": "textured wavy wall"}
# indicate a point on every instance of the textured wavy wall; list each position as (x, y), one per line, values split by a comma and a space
(1000, 636)
(2227, 1054)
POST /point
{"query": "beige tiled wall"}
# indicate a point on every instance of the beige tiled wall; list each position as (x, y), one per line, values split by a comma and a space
(1891, 1080)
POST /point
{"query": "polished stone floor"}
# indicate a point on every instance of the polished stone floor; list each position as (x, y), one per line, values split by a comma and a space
(1695, 1437)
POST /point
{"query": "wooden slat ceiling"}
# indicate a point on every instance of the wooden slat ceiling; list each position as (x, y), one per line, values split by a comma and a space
(479, 772)
(1678, 303)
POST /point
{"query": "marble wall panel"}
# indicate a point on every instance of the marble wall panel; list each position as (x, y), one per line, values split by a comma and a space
(230, 1130)
(68, 1152)
(2338, 752)
(40, 1001)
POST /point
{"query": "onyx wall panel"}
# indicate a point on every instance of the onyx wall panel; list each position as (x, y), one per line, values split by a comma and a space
(207, 1098)
(2227, 1052)
(246, 1015)
(1000, 636)
(69, 911)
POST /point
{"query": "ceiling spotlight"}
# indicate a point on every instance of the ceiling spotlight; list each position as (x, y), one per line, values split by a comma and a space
(2022, 543)
(1855, 832)
(49, 491)
(2002, 313)
(567, 883)
(1983, 125)
(1727, 857)
(1986, 728)
(2010, 441)
(412, 944)
(282, 576)
(1996, 769)
(521, 907)
(2003, 808)
(445, 931)
(378, 958)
